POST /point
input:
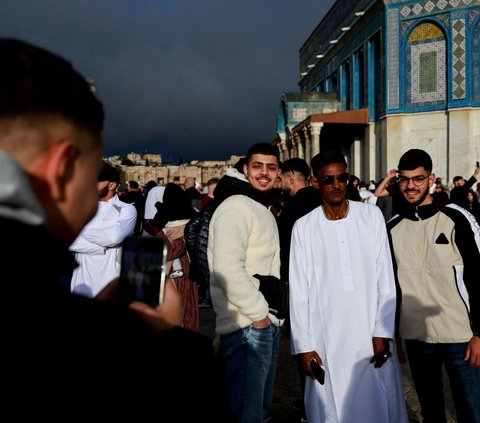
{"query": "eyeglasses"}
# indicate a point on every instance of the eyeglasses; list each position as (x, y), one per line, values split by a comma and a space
(329, 179)
(417, 180)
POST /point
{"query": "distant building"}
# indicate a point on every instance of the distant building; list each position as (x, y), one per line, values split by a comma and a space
(148, 167)
(380, 77)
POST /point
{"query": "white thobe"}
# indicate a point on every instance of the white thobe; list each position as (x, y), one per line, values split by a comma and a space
(342, 293)
(153, 196)
(97, 248)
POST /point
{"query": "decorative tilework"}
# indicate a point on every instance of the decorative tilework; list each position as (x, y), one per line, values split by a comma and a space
(421, 57)
(442, 17)
(428, 7)
(458, 59)
(472, 15)
(393, 60)
(476, 63)
(428, 72)
(406, 25)
(417, 9)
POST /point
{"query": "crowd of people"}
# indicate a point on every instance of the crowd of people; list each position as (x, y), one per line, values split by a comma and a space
(383, 193)
(365, 277)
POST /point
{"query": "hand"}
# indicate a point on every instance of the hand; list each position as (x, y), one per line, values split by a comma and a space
(381, 190)
(306, 362)
(476, 172)
(472, 354)
(150, 228)
(381, 351)
(260, 324)
(167, 315)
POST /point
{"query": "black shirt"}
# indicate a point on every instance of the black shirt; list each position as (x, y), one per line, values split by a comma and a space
(66, 356)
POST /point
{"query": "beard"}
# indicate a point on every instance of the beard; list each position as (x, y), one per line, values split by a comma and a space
(420, 200)
(103, 192)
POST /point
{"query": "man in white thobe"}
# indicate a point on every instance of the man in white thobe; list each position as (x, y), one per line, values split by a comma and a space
(342, 305)
(97, 249)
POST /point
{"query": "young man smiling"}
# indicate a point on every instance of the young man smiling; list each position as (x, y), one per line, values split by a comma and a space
(243, 241)
(436, 254)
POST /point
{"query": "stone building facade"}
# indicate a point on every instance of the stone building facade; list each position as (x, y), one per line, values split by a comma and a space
(380, 77)
(146, 168)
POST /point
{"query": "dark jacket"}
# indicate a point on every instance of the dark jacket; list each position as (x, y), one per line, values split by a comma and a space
(304, 201)
(195, 197)
(474, 208)
(68, 355)
(458, 195)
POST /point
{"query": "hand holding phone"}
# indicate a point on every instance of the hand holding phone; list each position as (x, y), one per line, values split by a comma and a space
(142, 276)
(169, 314)
(318, 371)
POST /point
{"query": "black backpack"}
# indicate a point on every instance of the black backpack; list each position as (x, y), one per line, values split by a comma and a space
(196, 239)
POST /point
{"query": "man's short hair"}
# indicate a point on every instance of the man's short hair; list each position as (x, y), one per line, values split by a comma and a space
(327, 157)
(262, 148)
(239, 164)
(133, 184)
(212, 181)
(415, 158)
(296, 165)
(35, 83)
(109, 173)
(457, 178)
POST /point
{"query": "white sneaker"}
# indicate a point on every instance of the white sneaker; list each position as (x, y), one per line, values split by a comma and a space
(176, 274)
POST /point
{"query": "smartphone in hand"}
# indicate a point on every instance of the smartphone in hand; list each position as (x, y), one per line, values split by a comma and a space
(318, 371)
(143, 268)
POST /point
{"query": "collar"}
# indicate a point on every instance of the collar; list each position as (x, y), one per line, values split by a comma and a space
(259, 197)
(419, 212)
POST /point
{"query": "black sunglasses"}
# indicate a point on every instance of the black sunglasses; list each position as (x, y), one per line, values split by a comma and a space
(329, 179)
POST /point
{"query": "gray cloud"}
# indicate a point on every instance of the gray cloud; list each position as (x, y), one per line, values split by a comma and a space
(196, 79)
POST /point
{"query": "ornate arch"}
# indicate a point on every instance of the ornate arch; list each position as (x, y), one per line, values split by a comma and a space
(426, 59)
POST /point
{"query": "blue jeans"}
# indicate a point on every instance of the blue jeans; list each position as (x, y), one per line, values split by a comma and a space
(250, 357)
(426, 362)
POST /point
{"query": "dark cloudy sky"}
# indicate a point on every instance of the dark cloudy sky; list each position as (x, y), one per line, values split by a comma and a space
(189, 79)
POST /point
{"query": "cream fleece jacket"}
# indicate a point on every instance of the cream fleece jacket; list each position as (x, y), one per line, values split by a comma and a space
(243, 240)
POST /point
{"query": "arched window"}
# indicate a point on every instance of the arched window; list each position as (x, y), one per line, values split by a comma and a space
(426, 67)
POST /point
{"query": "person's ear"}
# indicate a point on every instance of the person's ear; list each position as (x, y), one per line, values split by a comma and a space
(60, 167)
(314, 182)
(431, 179)
(112, 186)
